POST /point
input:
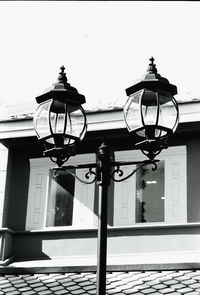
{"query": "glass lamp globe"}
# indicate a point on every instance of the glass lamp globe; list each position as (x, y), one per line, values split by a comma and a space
(60, 120)
(151, 112)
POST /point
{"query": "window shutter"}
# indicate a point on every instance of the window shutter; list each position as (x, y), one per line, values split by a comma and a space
(175, 189)
(124, 199)
(37, 196)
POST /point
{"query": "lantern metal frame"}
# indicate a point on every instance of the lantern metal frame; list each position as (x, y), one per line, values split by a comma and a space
(70, 100)
(150, 143)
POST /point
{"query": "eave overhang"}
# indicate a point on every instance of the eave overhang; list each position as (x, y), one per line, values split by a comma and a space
(103, 120)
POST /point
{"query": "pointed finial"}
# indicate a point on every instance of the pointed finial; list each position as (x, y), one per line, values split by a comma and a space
(152, 66)
(62, 75)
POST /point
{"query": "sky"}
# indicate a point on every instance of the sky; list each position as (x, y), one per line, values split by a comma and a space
(104, 45)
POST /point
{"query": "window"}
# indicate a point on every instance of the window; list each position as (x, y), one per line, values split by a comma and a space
(156, 196)
(147, 197)
(150, 192)
(60, 200)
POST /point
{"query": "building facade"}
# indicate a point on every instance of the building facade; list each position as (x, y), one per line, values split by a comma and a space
(153, 217)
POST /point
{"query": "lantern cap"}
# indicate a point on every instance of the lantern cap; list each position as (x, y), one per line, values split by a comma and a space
(151, 80)
(62, 91)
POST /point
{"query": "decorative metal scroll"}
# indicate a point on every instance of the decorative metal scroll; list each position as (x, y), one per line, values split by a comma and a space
(93, 174)
(118, 171)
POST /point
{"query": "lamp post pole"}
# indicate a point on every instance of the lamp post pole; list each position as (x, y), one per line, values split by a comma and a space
(103, 178)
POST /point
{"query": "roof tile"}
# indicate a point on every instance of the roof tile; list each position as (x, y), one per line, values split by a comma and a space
(185, 290)
(118, 283)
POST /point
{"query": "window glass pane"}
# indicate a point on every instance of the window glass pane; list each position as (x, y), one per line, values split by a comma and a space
(60, 200)
(150, 194)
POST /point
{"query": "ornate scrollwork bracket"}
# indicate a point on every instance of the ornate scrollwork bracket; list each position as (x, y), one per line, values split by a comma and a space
(92, 176)
(119, 172)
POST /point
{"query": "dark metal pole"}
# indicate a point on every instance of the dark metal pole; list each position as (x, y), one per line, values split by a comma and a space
(103, 175)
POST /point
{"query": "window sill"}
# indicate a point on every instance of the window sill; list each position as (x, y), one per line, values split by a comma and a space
(146, 226)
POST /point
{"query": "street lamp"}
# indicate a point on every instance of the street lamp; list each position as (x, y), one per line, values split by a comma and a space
(60, 120)
(151, 112)
(151, 115)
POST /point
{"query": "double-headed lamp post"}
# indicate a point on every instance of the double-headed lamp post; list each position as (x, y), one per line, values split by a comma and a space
(151, 116)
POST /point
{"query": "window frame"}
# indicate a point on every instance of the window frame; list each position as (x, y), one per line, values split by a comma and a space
(173, 157)
(42, 166)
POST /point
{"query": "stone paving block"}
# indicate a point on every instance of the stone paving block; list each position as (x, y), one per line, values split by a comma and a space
(171, 282)
(81, 279)
(127, 287)
(166, 291)
(141, 287)
(152, 283)
(6, 285)
(31, 292)
(57, 288)
(6, 290)
(92, 292)
(148, 291)
(13, 293)
(195, 286)
(61, 292)
(20, 285)
(189, 282)
(35, 285)
(172, 293)
(122, 275)
(185, 290)
(177, 286)
(113, 291)
(177, 274)
(86, 283)
(23, 289)
(137, 282)
(182, 278)
(159, 286)
(43, 288)
(46, 292)
(80, 291)
(196, 277)
(64, 280)
(32, 280)
(193, 274)
(91, 276)
(131, 291)
(53, 284)
(87, 288)
(73, 288)
(116, 283)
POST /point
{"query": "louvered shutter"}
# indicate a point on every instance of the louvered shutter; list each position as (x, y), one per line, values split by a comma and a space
(37, 196)
(124, 199)
(175, 189)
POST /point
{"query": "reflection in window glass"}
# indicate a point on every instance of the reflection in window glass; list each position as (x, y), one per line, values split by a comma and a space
(150, 194)
(60, 200)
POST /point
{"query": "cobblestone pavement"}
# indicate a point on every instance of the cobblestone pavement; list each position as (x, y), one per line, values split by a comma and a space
(119, 283)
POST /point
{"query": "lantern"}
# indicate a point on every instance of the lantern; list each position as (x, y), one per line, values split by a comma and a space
(151, 112)
(60, 120)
